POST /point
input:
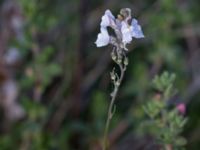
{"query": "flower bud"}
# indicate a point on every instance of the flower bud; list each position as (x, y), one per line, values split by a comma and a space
(112, 75)
(119, 61)
(126, 61)
(117, 83)
(113, 56)
(181, 108)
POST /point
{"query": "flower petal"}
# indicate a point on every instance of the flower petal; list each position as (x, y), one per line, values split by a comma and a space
(103, 38)
(107, 19)
(126, 32)
(136, 29)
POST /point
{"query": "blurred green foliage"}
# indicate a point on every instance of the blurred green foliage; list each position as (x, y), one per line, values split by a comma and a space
(63, 111)
(167, 124)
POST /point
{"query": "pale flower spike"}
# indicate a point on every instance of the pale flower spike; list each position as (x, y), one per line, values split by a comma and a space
(124, 31)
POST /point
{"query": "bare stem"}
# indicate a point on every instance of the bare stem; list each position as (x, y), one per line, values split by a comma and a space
(111, 106)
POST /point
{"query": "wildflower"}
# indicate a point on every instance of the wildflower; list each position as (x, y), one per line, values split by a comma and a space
(123, 34)
(124, 31)
(181, 108)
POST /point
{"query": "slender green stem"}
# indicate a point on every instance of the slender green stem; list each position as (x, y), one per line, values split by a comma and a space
(109, 117)
(111, 106)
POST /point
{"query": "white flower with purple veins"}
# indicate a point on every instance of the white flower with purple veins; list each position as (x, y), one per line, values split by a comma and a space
(123, 30)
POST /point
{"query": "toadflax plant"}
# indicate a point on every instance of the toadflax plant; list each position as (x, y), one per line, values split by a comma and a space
(125, 29)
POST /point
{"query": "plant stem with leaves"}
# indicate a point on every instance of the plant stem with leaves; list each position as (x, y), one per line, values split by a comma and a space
(167, 118)
(116, 82)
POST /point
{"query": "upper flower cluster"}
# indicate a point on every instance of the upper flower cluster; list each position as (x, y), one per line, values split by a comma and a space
(125, 28)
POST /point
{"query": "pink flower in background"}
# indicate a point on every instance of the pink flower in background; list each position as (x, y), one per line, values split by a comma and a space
(181, 108)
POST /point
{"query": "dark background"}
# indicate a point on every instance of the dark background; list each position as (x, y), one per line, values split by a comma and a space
(55, 83)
